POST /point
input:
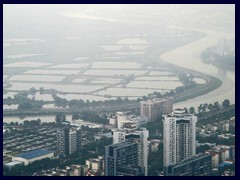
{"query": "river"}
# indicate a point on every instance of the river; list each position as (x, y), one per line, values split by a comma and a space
(188, 56)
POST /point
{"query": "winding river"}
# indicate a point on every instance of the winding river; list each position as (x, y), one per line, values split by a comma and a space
(188, 56)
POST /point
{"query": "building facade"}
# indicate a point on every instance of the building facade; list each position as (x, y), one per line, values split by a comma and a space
(62, 141)
(154, 109)
(199, 165)
(121, 159)
(68, 140)
(79, 139)
(179, 137)
(138, 136)
(78, 170)
(95, 163)
(72, 141)
(124, 120)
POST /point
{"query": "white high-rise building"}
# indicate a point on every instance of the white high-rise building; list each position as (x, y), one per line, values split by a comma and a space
(179, 137)
(138, 136)
(126, 120)
(121, 118)
(118, 135)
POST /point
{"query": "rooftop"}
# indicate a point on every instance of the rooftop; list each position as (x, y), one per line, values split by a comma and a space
(34, 154)
(193, 158)
(13, 163)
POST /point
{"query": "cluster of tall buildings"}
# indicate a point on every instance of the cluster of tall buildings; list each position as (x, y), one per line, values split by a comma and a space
(225, 47)
(128, 155)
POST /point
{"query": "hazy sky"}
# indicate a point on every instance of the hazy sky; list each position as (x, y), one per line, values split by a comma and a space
(19, 17)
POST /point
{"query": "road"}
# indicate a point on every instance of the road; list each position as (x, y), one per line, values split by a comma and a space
(204, 115)
(70, 111)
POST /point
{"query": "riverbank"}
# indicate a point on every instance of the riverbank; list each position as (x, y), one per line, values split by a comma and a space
(211, 84)
(182, 60)
(188, 57)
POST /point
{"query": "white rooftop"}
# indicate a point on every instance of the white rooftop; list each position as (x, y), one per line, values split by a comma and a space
(13, 163)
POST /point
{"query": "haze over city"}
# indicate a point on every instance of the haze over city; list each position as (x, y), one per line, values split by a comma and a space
(150, 87)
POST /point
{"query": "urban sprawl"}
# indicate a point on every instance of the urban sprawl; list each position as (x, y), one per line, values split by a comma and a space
(155, 140)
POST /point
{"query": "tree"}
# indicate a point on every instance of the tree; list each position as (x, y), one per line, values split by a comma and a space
(41, 90)
(183, 78)
(172, 93)
(210, 107)
(25, 106)
(32, 91)
(75, 116)
(179, 89)
(191, 76)
(202, 149)
(138, 99)
(21, 95)
(192, 110)
(157, 94)
(94, 117)
(119, 100)
(60, 101)
(226, 103)
(204, 107)
(144, 98)
(39, 121)
(150, 95)
(126, 99)
(200, 108)
(26, 123)
(186, 110)
(60, 118)
(155, 161)
(216, 106)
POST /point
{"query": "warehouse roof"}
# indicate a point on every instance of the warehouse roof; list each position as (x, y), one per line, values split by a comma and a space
(13, 163)
(34, 154)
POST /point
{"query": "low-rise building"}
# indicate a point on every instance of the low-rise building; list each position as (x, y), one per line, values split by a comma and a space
(78, 170)
(96, 164)
(30, 157)
(220, 154)
(72, 170)
(12, 164)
